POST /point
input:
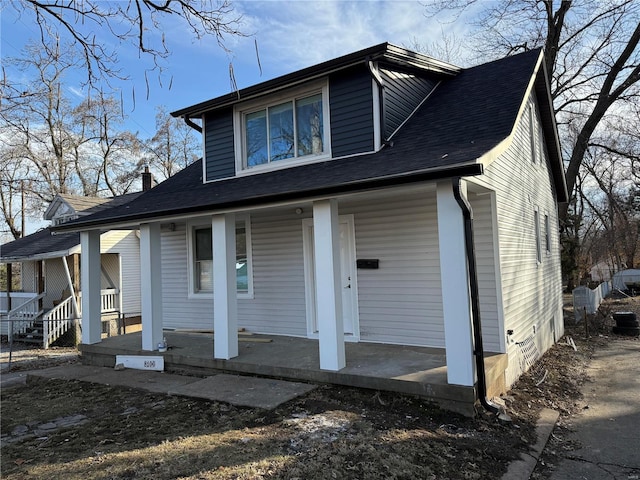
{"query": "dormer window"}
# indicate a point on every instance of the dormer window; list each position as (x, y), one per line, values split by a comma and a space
(284, 129)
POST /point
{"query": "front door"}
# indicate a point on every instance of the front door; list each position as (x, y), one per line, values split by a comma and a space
(347, 276)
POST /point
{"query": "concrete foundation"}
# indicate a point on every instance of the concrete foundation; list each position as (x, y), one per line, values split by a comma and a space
(409, 370)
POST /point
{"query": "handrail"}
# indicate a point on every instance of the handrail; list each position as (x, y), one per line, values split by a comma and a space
(25, 313)
(15, 298)
(57, 321)
(14, 311)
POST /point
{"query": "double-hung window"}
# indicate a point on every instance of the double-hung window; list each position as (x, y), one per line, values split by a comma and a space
(536, 220)
(547, 235)
(202, 259)
(288, 128)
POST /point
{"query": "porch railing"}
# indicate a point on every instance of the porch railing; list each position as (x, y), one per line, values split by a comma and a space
(23, 317)
(17, 298)
(109, 300)
(58, 321)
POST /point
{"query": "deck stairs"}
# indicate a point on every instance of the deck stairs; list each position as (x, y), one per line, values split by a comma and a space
(30, 324)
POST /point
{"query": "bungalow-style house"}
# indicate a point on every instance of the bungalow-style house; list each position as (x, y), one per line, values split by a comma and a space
(45, 306)
(380, 198)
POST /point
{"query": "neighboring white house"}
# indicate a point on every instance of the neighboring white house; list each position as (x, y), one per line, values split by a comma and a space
(331, 203)
(50, 263)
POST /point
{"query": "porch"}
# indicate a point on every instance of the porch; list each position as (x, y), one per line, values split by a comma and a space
(409, 370)
(31, 322)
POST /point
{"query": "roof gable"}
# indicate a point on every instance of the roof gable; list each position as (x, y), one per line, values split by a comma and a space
(46, 243)
(66, 205)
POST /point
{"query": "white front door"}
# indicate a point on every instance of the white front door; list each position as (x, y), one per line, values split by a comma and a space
(347, 275)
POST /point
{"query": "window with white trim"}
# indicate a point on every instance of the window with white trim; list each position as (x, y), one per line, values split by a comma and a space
(536, 220)
(547, 234)
(286, 129)
(202, 259)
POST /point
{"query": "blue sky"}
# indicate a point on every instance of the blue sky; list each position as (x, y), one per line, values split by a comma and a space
(289, 35)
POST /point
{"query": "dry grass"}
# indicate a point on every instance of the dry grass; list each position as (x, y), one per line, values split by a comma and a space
(332, 432)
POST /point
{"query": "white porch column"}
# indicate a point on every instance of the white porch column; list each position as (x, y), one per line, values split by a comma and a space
(225, 296)
(456, 301)
(326, 243)
(151, 285)
(90, 282)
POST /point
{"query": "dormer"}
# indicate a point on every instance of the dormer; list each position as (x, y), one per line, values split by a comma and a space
(351, 105)
(69, 207)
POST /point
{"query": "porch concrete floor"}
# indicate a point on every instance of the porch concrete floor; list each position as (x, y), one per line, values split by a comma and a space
(411, 370)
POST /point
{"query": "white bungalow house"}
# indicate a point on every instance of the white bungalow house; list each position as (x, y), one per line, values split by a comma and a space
(47, 302)
(383, 197)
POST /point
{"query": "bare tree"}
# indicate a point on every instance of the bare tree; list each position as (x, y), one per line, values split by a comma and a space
(33, 122)
(612, 198)
(107, 163)
(98, 28)
(592, 55)
(52, 146)
(12, 185)
(173, 147)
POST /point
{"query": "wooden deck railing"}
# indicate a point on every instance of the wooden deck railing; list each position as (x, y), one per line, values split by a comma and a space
(57, 321)
(17, 300)
(23, 316)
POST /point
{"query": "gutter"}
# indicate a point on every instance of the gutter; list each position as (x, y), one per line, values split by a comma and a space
(192, 124)
(478, 350)
(464, 170)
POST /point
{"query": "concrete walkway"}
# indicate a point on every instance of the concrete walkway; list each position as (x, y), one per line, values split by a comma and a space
(237, 390)
(607, 433)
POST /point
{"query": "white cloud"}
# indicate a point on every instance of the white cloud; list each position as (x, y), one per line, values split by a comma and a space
(293, 35)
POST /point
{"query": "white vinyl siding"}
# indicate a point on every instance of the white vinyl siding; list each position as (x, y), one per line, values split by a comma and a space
(486, 251)
(28, 276)
(398, 303)
(126, 244)
(278, 276)
(532, 292)
(401, 301)
(56, 282)
(278, 306)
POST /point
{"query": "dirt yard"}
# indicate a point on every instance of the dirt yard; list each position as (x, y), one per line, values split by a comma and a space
(73, 430)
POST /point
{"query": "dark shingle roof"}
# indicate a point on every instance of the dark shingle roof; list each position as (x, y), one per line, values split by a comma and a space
(81, 203)
(464, 118)
(44, 242)
(37, 244)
